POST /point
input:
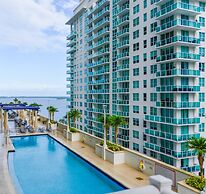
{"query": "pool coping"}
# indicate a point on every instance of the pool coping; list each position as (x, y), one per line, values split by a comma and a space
(61, 142)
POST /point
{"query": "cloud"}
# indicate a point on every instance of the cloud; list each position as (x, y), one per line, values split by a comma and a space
(31, 25)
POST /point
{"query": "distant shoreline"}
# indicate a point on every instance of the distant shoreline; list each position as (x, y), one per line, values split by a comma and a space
(60, 97)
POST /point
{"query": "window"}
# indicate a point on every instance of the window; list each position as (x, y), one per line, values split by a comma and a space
(201, 112)
(153, 12)
(202, 51)
(144, 83)
(153, 26)
(153, 69)
(153, 55)
(145, 70)
(136, 97)
(136, 34)
(145, 96)
(202, 67)
(202, 21)
(136, 46)
(135, 109)
(202, 97)
(136, 59)
(136, 9)
(202, 6)
(145, 17)
(202, 81)
(202, 127)
(145, 43)
(135, 121)
(135, 21)
(135, 146)
(202, 36)
(152, 2)
(145, 3)
(153, 83)
(153, 41)
(135, 84)
(136, 134)
(145, 30)
(145, 56)
(153, 97)
(135, 71)
(144, 110)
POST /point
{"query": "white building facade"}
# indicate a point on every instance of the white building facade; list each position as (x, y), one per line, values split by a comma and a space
(146, 61)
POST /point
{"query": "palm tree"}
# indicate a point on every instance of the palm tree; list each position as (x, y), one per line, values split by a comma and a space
(108, 122)
(16, 100)
(199, 145)
(69, 116)
(116, 121)
(75, 115)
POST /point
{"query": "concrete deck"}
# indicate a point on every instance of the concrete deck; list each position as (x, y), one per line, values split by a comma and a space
(126, 175)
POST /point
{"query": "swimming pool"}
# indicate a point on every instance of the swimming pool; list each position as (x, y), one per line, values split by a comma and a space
(41, 165)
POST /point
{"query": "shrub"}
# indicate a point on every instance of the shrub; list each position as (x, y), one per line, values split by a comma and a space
(196, 182)
(73, 130)
(112, 146)
(53, 122)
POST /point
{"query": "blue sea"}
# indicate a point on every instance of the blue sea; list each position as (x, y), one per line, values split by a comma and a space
(58, 102)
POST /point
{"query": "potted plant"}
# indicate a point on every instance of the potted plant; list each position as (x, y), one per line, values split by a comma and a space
(52, 123)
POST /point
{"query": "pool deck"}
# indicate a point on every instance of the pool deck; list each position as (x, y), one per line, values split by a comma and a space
(126, 175)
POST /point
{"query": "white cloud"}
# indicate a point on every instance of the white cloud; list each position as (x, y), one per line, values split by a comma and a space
(34, 24)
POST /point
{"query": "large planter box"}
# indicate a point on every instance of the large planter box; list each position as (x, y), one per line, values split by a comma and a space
(73, 136)
(113, 157)
(54, 126)
(183, 188)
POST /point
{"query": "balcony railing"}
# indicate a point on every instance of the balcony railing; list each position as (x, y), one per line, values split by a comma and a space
(176, 88)
(178, 5)
(172, 121)
(175, 39)
(168, 104)
(178, 72)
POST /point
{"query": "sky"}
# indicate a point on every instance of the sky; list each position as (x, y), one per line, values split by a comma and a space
(32, 46)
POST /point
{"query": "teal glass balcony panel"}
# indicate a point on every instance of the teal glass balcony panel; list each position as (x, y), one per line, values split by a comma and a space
(124, 31)
(101, 91)
(179, 56)
(123, 137)
(123, 20)
(98, 6)
(169, 136)
(179, 22)
(195, 168)
(70, 78)
(103, 12)
(98, 101)
(96, 82)
(123, 43)
(167, 104)
(100, 43)
(97, 110)
(122, 67)
(101, 53)
(123, 55)
(94, 119)
(172, 121)
(187, 40)
(70, 71)
(176, 88)
(180, 6)
(121, 113)
(123, 9)
(100, 33)
(183, 154)
(178, 72)
(71, 35)
(121, 90)
(101, 71)
(70, 64)
(121, 79)
(97, 63)
(121, 102)
(71, 50)
(101, 22)
(72, 43)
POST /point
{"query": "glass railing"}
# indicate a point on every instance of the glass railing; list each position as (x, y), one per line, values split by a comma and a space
(102, 81)
(122, 55)
(180, 137)
(177, 55)
(121, 102)
(121, 90)
(104, 40)
(176, 88)
(102, 71)
(123, 78)
(195, 168)
(179, 22)
(99, 62)
(97, 6)
(101, 101)
(174, 121)
(178, 104)
(106, 9)
(98, 91)
(178, 5)
(123, 43)
(123, 137)
(185, 39)
(101, 22)
(178, 72)
(170, 152)
(71, 35)
(123, 31)
(101, 32)
(122, 8)
(123, 67)
(122, 20)
(121, 113)
(96, 110)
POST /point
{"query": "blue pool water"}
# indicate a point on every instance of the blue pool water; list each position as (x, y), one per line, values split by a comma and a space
(43, 166)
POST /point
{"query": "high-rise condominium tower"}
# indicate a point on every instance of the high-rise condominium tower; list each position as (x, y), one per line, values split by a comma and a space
(145, 60)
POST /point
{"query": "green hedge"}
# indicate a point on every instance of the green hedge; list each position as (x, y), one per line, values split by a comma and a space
(112, 146)
(73, 130)
(196, 182)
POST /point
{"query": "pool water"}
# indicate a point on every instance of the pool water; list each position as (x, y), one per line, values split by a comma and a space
(41, 165)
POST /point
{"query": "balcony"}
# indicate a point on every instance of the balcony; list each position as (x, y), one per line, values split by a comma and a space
(195, 168)
(71, 35)
(169, 136)
(190, 57)
(98, 6)
(121, 102)
(172, 121)
(100, 33)
(121, 79)
(97, 63)
(71, 50)
(100, 91)
(176, 88)
(70, 78)
(71, 43)
(182, 40)
(102, 13)
(98, 101)
(123, 44)
(122, 67)
(183, 105)
(121, 113)
(175, 154)
(178, 7)
(123, 137)
(121, 90)
(178, 24)
(123, 20)
(123, 9)
(122, 32)
(123, 55)
(101, 23)
(96, 110)
(178, 72)
(99, 72)
(101, 42)
(99, 53)
(97, 82)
